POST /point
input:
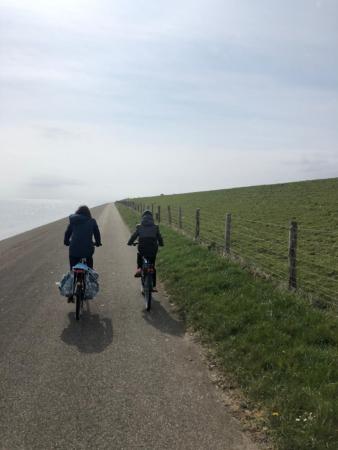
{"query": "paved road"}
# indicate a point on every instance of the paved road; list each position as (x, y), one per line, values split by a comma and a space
(118, 379)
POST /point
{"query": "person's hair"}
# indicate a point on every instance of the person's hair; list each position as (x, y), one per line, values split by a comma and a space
(84, 210)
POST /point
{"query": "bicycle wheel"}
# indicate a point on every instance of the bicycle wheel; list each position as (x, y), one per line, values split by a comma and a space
(78, 305)
(148, 288)
(79, 302)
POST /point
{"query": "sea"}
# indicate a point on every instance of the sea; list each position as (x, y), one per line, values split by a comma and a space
(19, 215)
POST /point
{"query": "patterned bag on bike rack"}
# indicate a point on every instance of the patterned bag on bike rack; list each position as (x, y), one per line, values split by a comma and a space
(92, 284)
(66, 284)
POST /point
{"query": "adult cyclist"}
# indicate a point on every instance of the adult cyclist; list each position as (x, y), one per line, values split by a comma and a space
(149, 238)
(79, 236)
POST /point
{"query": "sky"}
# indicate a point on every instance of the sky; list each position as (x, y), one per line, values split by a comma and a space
(106, 99)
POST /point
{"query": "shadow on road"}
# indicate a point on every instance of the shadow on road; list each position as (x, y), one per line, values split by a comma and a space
(159, 318)
(91, 334)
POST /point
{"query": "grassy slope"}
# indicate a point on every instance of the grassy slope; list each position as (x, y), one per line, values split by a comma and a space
(312, 203)
(283, 353)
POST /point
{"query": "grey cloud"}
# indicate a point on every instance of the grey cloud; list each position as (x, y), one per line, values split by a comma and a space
(52, 182)
(56, 133)
(316, 165)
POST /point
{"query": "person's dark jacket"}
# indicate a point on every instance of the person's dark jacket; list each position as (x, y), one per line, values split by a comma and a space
(149, 237)
(79, 236)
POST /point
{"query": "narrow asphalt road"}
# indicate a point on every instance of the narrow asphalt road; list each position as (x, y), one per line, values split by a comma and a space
(118, 379)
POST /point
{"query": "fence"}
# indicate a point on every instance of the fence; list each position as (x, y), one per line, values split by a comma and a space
(302, 259)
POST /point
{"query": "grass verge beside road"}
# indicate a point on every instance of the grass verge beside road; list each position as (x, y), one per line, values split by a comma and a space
(282, 352)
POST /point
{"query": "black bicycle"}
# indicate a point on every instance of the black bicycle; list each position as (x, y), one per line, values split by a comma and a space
(147, 280)
(79, 286)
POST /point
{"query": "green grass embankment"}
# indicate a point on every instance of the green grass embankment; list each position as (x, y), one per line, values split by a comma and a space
(282, 352)
(260, 227)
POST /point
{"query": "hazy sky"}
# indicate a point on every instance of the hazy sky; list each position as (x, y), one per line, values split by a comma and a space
(103, 99)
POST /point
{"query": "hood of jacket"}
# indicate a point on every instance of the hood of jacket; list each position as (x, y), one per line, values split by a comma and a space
(147, 221)
(77, 219)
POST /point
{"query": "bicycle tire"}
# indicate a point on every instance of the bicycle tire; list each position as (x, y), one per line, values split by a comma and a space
(148, 291)
(79, 301)
(78, 305)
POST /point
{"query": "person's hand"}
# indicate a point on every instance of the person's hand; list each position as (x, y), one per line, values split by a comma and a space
(66, 244)
(98, 244)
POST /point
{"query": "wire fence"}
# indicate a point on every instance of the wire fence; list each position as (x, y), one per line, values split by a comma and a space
(300, 258)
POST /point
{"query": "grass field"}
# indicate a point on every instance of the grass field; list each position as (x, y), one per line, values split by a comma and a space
(282, 352)
(260, 228)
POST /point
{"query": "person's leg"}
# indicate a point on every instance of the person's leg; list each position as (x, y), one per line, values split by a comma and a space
(90, 261)
(73, 260)
(139, 266)
(139, 260)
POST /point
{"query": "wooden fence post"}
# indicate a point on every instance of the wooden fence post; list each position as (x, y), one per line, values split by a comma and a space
(293, 255)
(180, 221)
(227, 234)
(159, 214)
(169, 215)
(197, 225)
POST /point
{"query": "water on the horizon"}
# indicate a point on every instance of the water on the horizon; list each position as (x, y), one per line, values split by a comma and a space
(21, 215)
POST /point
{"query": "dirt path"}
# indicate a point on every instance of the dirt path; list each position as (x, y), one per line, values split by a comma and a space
(118, 379)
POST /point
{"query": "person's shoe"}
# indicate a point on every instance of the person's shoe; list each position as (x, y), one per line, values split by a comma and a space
(70, 299)
(137, 273)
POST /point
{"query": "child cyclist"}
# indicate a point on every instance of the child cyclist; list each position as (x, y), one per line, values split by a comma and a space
(149, 238)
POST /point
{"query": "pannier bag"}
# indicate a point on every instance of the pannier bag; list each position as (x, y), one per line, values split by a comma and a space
(66, 284)
(91, 283)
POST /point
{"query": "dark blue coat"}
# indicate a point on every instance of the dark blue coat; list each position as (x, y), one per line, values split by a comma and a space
(149, 237)
(79, 236)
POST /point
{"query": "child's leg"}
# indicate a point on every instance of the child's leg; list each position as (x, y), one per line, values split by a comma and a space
(139, 261)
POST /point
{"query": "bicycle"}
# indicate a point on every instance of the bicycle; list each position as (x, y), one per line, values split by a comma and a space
(79, 286)
(147, 280)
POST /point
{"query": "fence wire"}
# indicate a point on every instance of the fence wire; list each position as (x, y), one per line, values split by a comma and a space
(264, 246)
